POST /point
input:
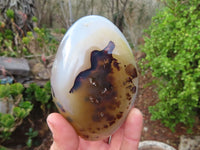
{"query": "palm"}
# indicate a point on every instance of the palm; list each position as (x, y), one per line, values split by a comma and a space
(103, 145)
(127, 136)
(96, 145)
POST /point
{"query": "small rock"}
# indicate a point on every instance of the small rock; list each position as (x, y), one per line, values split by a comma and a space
(139, 55)
(15, 66)
(5, 106)
(189, 143)
(40, 72)
(145, 129)
(6, 79)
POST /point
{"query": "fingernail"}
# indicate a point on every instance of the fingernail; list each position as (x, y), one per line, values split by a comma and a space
(136, 111)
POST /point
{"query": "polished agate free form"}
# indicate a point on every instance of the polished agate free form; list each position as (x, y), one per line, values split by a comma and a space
(94, 77)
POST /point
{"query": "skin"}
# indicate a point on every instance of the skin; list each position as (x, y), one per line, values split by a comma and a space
(127, 137)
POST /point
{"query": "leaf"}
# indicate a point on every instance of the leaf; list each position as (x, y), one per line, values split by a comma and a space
(16, 89)
(29, 142)
(47, 87)
(19, 112)
(4, 90)
(7, 121)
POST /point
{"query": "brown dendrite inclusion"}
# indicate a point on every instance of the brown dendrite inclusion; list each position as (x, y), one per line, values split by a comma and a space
(102, 91)
(100, 68)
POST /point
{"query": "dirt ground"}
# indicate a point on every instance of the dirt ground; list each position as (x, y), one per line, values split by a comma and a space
(154, 130)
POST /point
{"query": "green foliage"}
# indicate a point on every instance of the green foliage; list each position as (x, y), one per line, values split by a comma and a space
(7, 122)
(16, 89)
(3, 148)
(26, 40)
(61, 30)
(8, 34)
(4, 90)
(21, 101)
(47, 87)
(23, 110)
(10, 13)
(173, 55)
(42, 95)
(11, 95)
(37, 42)
(45, 40)
(34, 19)
(31, 134)
(10, 90)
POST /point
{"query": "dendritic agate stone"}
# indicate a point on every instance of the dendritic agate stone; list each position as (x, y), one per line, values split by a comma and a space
(94, 77)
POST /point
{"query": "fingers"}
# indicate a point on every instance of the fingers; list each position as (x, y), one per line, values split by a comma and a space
(132, 130)
(93, 145)
(117, 138)
(64, 136)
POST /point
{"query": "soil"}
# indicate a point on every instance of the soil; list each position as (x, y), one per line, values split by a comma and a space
(153, 130)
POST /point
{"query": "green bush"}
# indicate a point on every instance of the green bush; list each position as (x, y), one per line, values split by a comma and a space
(42, 95)
(45, 41)
(15, 43)
(34, 19)
(22, 100)
(23, 110)
(7, 123)
(173, 55)
(10, 13)
(12, 90)
(11, 95)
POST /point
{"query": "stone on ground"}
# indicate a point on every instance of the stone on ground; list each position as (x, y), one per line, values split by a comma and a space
(189, 143)
(14, 66)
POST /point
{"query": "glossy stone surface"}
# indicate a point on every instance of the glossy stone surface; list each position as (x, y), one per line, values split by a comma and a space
(94, 77)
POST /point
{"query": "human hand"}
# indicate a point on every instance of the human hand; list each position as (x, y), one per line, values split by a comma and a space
(127, 137)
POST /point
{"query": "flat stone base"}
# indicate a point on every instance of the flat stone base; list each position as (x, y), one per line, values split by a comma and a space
(15, 66)
(154, 145)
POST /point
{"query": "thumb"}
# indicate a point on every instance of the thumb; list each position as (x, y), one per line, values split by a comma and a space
(64, 136)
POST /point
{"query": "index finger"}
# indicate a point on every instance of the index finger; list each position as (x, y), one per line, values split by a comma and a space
(132, 130)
